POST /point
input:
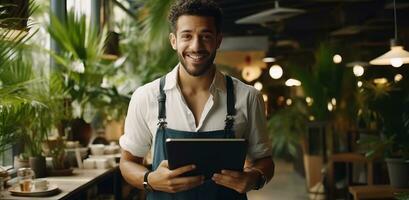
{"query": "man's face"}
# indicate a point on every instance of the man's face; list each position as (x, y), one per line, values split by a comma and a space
(196, 41)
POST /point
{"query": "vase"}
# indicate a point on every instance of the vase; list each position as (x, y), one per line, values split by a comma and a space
(38, 165)
(398, 170)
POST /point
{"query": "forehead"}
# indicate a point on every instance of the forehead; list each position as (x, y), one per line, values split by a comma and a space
(195, 23)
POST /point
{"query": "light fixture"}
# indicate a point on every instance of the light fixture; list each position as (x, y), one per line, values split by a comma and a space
(398, 77)
(275, 14)
(358, 70)
(249, 72)
(265, 97)
(258, 86)
(269, 59)
(380, 81)
(292, 82)
(337, 58)
(330, 107)
(359, 84)
(397, 56)
(288, 102)
(276, 71)
(309, 101)
(334, 101)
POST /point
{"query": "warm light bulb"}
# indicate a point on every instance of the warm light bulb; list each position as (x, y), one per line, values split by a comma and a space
(265, 97)
(358, 70)
(330, 106)
(258, 86)
(337, 59)
(276, 71)
(308, 100)
(269, 59)
(289, 102)
(396, 62)
(334, 101)
(292, 82)
(398, 77)
(359, 83)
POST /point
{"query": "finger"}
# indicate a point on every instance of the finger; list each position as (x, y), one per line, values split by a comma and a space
(231, 173)
(187, 180)
(181, 170)
(225, 179)
(189, 185)
(223, 182)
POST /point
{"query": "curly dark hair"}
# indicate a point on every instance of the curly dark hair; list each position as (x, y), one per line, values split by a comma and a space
(206, 8)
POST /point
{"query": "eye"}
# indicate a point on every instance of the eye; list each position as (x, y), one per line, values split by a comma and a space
(207, 37)
(185, 36)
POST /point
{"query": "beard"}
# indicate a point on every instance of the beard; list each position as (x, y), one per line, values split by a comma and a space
(197, 69)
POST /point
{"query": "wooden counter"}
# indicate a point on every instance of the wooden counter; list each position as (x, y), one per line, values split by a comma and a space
(74, 187)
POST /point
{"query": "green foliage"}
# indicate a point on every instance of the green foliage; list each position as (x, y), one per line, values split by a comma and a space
(387, 106)
(82, 68)
(24, 116)
(325, 81)
(402, 196)
(286, 128)
(146, 42)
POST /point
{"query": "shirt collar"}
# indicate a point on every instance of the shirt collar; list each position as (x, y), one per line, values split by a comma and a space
(218, 82)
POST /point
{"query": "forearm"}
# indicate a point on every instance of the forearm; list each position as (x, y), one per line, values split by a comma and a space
(132, 169)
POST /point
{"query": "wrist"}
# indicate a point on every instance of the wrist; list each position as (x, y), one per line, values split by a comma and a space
(146, 184)
(261, 179)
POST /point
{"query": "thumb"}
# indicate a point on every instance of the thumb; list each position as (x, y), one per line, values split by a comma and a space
(164, 163)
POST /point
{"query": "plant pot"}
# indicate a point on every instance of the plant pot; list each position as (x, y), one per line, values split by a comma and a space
(398, 170)
(20, 163)
(38, 165)
(81, 131)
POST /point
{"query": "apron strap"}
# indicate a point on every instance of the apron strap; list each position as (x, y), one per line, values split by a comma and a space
(162, 103)
(231, 111)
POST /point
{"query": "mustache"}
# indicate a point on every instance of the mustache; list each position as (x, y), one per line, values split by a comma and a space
(198, 52)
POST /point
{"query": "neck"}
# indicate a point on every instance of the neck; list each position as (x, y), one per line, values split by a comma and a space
(195, 83)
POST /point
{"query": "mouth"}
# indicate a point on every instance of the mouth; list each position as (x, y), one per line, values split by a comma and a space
(197, 57)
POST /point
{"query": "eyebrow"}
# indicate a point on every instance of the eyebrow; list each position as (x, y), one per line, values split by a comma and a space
(203, 31)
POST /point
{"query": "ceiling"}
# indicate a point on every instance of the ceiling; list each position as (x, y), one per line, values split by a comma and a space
(362, 23)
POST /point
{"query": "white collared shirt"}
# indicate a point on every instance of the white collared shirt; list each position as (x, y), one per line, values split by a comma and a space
(142, 118)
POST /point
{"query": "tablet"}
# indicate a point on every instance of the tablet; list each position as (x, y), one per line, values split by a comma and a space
(209, 155)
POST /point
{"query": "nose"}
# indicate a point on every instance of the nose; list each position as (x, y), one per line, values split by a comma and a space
(197, 44)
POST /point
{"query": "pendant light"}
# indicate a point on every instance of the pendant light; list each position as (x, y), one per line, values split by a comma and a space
(397, 56)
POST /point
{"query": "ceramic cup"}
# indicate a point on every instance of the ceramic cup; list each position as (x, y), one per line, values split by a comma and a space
(40, 184)
(102, 163)
(97, 149)
(89, 164)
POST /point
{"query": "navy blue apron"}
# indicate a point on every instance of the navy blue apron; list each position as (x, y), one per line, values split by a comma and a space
(208, 190)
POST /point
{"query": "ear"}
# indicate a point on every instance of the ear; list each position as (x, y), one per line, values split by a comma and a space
(219, 39)
(172, 39)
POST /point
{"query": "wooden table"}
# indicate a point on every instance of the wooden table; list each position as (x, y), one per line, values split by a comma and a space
(74, 187)
(374, 192)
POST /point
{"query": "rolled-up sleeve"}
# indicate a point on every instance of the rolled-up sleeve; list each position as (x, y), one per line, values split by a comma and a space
(137, 138)
(259, 141)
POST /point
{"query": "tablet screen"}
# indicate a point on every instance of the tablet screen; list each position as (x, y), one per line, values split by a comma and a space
(209, 155)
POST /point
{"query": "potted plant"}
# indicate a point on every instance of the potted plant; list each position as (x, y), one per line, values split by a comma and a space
(390, 101)
(84, 71)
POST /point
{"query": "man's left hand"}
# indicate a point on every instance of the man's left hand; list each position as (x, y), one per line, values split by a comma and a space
(242, 182)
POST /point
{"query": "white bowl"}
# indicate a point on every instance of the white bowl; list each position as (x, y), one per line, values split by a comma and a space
(97, 149)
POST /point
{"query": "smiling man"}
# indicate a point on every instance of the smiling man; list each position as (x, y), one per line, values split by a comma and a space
(193, 98)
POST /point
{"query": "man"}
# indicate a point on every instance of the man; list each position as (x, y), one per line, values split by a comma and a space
(192, 98)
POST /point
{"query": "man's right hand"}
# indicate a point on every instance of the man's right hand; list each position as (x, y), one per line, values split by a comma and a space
(166, 180)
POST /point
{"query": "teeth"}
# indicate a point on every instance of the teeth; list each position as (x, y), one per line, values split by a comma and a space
(196, 57)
